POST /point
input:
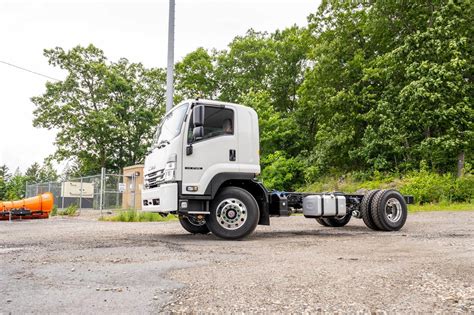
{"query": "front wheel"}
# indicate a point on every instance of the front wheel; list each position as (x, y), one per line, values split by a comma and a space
(233, 214)
(194, 226)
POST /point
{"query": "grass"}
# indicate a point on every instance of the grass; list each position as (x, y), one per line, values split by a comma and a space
(69, 211)
(138, 216)
(442, 206)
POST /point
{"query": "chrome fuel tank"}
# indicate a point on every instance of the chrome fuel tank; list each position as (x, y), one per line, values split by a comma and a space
(325, 205)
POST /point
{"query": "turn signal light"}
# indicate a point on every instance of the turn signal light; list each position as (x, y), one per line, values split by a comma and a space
(191, 188)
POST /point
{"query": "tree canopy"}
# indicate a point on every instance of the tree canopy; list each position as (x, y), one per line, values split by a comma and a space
(104, 111)
(363, 87)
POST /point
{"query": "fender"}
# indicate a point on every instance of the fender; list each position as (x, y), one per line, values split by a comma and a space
(247, 182)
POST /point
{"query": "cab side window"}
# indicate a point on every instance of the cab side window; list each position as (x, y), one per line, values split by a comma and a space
(218, 121)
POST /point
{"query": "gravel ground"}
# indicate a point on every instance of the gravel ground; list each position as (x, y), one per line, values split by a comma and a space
(81, 265)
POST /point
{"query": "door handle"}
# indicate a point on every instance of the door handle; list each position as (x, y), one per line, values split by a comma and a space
(232, 155)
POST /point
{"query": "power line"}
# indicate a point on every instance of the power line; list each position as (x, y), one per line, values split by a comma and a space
(28, 70)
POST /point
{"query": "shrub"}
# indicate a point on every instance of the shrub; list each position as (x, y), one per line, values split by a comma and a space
(428, 187)
(70, 210)
(463, 189)
(281, 172)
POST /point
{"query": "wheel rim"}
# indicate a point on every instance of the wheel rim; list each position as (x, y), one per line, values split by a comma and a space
(231, 213)
(393, 210)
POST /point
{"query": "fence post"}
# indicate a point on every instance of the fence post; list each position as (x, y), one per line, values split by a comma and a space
(117, 191)
(134, 185)
(101, 192)
(62, 195)
(26, 189)
(80, 198)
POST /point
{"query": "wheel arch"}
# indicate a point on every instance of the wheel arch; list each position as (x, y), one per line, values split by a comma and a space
(247, 182)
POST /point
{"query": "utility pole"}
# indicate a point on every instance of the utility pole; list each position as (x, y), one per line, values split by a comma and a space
(170, 67)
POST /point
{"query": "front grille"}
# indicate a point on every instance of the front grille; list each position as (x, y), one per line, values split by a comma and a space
(153, 179)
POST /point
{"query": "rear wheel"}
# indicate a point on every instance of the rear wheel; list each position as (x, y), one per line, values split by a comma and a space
(389, 210)
(193, 225)
(338, 221)
(365, 209)
(322, 222)
(233, 214)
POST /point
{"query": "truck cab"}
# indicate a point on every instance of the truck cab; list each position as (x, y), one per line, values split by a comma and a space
(200, 147)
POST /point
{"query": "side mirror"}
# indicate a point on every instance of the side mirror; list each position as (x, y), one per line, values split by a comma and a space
(198, 116)
(198, 133)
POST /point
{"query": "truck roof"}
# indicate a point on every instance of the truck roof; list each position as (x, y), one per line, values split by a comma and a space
(211, 102)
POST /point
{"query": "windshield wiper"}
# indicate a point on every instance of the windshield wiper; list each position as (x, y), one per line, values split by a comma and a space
(163, 144)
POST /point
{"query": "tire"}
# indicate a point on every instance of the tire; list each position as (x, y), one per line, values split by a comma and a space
(193, 226)
(338, 221)
(389, 210)
(322, 222)
(234, 214)
(365, 209)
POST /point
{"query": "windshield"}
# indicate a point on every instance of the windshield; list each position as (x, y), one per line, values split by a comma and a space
(170, 126)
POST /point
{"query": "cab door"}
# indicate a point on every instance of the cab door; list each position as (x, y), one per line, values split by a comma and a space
(213, 153)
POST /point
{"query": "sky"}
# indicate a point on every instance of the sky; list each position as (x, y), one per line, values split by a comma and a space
(136, 30)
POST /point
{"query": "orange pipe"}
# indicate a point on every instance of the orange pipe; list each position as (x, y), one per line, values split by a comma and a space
(43, 203)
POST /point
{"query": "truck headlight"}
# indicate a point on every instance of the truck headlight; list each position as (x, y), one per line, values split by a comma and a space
(169, 175)
(169, 172)
(170, 166)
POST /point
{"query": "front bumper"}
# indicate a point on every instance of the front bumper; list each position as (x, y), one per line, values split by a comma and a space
(163, 198)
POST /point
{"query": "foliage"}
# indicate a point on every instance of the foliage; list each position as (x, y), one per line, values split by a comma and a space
(195, 75)
(4, 178)
(281, 172)
(105, 112)
(69, 211)
(423, 185)
(54, 211)
(37, 173)
(365, 88)
(12, 187)
(138, 216)
(16, 187)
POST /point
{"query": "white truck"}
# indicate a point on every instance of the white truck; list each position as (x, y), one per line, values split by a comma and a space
(203, 166)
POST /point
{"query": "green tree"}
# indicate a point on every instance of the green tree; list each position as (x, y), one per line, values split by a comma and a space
(105, 112)
(194, 76)
(4, 178)
(37, 173)
(420, 92)
(245, 66)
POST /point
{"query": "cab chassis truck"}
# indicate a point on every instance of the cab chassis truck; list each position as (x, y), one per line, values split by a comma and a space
(203, 166)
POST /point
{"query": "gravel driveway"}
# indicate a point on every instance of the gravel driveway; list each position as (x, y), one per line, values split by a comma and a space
(81, 265)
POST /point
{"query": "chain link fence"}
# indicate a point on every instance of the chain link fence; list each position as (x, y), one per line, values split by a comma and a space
(97, 192)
